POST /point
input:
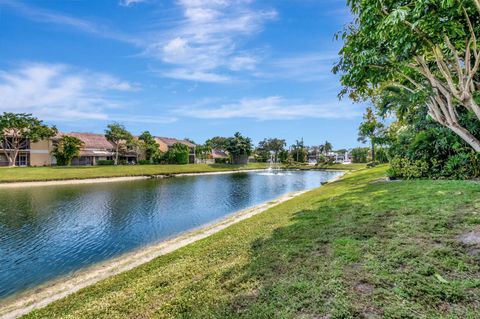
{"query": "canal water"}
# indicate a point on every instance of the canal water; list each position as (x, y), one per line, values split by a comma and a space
(50, 231)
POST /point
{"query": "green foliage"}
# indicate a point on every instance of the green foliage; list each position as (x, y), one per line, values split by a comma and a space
(410, 55)
(417, 138)
(381, 155)
(360, 155)
(370, 129)
(217, 142)
(270, 146)
(239, 147)
(178, 153)
(203, 152)
(150, 146)
(117, 133)
(66, 148)
(18, 129)
(408, 169)
(144, 162)
(105, 162)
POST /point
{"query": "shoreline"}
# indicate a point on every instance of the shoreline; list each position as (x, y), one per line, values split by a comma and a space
(39, 297)
(97, 180)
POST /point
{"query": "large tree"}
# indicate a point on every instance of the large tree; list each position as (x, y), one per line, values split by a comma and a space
(66, 148)
(117, 133)
(17, 130)
(150, 145)
(426, 49)
(239, 147)
(217, 142)
(370, 129)
(273, 145)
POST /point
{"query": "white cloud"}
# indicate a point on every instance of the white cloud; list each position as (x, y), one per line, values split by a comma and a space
(272, 108)
(206, 39)
(198, 76)
(60, 92)
(305, 67)
(47, 16)
(127, 3)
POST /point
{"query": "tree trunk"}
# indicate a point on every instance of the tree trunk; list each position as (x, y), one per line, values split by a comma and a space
(116, 154)
(373, 150)
(466, 136)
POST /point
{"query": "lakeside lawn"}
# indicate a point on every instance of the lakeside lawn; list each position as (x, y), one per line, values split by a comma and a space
(357, 248)
(24, 174)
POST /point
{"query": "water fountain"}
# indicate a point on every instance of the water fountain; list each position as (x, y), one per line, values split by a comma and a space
(273, 167)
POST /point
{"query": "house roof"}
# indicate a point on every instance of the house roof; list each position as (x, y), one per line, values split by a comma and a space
(170, 141)
(219, 154)
(91, 140)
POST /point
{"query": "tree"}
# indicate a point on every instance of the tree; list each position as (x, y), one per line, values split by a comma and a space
(217, 142)
(178, 153)
(202, 152)
(359, 154)
(326, 148)
(66, 148)
(423, 49)
(17, 130)
(274, 145)
(150, 145)
(239, 147)
(370, 129)
(117, 133)
(298, 151)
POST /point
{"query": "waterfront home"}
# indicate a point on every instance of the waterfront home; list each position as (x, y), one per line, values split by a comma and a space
(95, 148)
(165, 143)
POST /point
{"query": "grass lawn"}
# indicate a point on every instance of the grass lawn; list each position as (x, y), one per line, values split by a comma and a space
(22, 174)
(335, 166)
(357, 248)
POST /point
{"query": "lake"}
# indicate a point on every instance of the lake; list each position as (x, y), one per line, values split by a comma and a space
(51, 231)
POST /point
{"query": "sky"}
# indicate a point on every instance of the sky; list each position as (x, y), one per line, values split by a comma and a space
(183, 68)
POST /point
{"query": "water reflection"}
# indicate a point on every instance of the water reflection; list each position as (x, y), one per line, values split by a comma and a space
(51, 231)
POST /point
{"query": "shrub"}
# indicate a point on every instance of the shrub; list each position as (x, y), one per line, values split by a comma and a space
(405, 168)
(144, 162)
(177, 154)
(458, 167)
(105, 162)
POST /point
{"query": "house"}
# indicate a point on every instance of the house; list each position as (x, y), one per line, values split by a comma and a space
(95, 148)
(30, 154)
(165, 143)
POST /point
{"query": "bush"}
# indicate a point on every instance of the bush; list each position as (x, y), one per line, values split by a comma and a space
(144, 162)
(458, 167)
(405, 168)
(360, 154)
(177, 154)
(105, 162)
(221, 160)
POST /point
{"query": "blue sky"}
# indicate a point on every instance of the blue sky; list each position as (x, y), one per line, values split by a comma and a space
(184, 68)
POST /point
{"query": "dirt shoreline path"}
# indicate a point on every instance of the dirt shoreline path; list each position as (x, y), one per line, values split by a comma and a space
(39, 297)
(114, 179)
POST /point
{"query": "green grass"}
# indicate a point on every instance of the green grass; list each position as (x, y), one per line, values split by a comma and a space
(334, 166)
(357, 248)
(22, 174)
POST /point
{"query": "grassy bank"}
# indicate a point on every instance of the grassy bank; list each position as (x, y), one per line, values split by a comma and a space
(357, 248)
(24, 174)
(334, 166)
